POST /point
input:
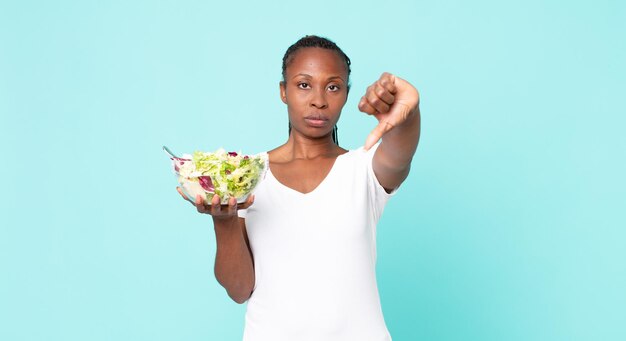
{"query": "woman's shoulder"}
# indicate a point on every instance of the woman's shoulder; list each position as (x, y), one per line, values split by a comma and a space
(276, 154)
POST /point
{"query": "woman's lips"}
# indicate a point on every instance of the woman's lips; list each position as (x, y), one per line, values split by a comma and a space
(316, 121)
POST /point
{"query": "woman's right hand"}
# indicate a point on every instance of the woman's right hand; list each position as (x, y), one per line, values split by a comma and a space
(216, 210)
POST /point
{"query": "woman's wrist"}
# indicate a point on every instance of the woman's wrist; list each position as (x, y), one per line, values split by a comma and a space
(225, 223)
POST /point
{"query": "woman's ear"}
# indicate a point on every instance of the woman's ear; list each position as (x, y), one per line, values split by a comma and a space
(283, 92)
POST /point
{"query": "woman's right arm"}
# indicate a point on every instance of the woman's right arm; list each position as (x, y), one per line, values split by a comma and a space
(234, 264)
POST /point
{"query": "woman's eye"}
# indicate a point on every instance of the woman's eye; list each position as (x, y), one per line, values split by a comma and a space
(333, 88)
(303, 85)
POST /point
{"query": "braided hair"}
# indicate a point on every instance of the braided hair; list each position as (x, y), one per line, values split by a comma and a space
(320, 42)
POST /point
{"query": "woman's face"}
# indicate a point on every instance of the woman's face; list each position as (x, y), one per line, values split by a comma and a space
(315, 90)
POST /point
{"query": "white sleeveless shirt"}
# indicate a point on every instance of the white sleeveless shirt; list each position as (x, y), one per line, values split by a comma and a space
(315, 257)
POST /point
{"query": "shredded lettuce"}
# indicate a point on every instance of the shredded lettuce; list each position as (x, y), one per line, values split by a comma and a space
(230, 174)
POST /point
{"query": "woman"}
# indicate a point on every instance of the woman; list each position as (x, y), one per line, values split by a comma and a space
(302, 250)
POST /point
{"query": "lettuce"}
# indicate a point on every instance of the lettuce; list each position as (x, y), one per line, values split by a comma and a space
(227, 174)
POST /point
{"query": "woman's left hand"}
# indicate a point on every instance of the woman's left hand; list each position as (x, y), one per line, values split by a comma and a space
(392, 100)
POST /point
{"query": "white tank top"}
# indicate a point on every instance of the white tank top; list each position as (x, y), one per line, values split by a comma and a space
(315, 257)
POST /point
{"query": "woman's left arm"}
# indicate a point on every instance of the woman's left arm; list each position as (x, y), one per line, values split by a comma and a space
(395, 104)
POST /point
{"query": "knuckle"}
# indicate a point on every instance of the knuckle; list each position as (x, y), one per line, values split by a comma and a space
(375, 101)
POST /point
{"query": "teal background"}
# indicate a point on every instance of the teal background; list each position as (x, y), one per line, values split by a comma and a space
(511, 225)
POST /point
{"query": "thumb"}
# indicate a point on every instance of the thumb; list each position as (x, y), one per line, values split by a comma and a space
(378, 132)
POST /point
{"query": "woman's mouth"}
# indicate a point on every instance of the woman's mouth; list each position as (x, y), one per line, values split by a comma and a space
(316, 121)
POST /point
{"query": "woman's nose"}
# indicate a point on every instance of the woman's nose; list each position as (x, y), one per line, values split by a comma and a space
(318, 100)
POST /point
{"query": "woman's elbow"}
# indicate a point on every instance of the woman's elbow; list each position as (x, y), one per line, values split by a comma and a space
(240, 297)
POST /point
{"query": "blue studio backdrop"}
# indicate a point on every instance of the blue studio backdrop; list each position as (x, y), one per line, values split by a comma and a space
(511, 225)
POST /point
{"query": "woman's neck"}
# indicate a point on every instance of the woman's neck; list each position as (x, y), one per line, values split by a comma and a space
(301, 147)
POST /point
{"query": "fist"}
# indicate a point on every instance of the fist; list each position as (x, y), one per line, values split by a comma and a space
(392, 100)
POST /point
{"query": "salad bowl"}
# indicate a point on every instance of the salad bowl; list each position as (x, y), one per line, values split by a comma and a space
(227, 174)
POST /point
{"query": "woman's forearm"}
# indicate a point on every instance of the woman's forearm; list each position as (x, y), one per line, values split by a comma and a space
(400, 143)
(393, 160)
(234, 267)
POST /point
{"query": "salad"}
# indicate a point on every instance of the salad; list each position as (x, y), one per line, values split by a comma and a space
(227, 174)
